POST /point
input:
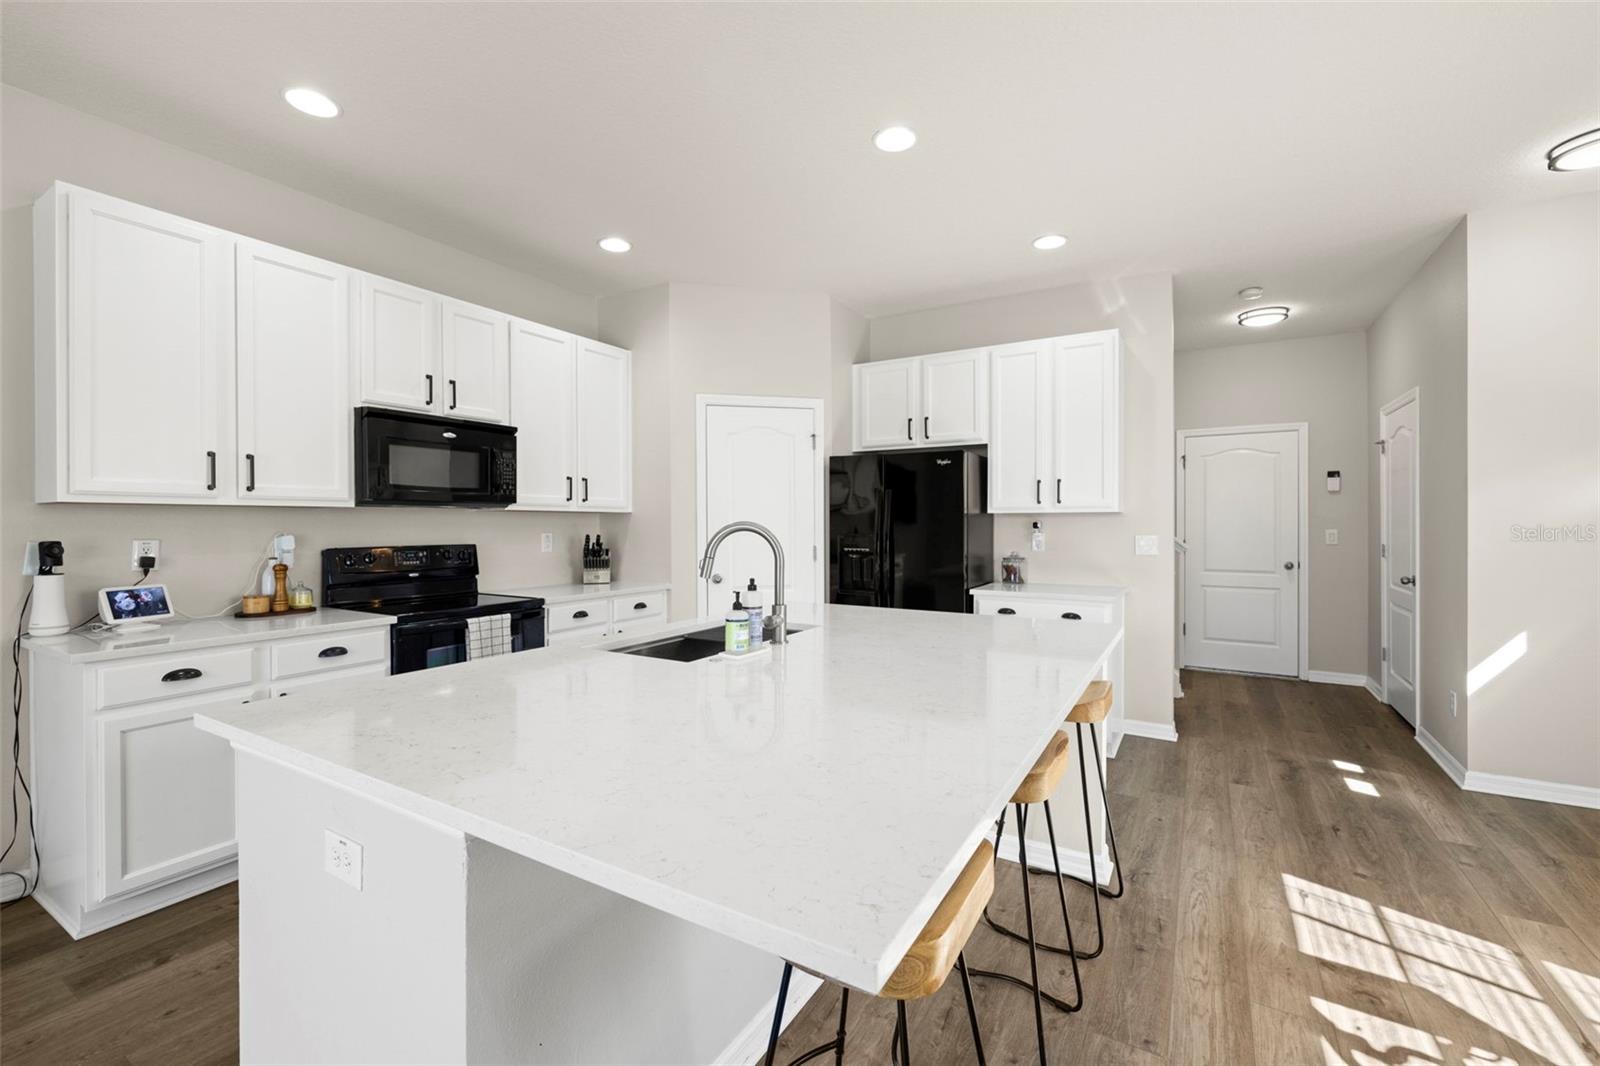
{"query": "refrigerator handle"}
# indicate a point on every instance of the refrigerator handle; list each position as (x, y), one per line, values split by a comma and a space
(885, 549)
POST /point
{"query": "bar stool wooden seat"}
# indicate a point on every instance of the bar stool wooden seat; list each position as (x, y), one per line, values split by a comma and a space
(1036, 788)
(923, 970)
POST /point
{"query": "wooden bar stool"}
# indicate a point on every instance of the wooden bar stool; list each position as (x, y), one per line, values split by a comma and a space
(923, 970)
(1036, 788)
(1090, 710)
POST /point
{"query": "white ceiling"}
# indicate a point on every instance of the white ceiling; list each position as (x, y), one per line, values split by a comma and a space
(1319, 150)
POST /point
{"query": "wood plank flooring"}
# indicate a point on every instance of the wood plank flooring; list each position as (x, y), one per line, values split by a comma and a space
(1281, 909)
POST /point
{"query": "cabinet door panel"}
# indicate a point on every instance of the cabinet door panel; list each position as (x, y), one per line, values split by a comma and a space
(294, 372)
(885, 398)
(955, 398)
(1018, 427)
(543, 363)
(1084, 423)
(604, 414)
(475, 375)
(398, 335)
(150, 351)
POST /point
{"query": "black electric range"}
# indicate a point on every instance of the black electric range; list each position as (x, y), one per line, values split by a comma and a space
(430, 590)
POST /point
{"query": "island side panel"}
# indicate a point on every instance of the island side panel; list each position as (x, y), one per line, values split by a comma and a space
(331, 973)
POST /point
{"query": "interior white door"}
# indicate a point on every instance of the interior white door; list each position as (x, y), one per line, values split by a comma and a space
(474, 352)
(885, 398)
(1398, 462)
(955, 398)
(398, 331)
(151, 351)
(1019, 433)
(604, 412)
(1242, 527)
(542, 367)
(293, 376)
(761, 466)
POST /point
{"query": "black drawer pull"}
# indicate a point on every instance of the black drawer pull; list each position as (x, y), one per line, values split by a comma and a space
(1005, 610)
(641, 606)
(188, 673)
(580, 614)
(1072, 615)
(333, 652)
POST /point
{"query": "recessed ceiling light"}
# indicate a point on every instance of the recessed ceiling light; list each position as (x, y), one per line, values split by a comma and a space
(1049, 242)
(615, 245)
(1263, 316)
(1575, 153)
(1252, 292)
(894, 138)
(313, 103)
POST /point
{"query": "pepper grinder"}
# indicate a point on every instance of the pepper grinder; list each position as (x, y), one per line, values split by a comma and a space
(280, 588)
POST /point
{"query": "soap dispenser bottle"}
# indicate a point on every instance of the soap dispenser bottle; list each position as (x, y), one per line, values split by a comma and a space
(752, 604)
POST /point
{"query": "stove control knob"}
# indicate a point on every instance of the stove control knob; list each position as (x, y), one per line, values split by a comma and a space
(463, 555)
(369, 558)
(349, 560)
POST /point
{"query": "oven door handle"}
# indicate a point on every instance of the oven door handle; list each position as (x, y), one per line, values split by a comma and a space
(408, 628)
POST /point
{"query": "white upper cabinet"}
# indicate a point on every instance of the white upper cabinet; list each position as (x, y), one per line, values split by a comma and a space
(955, 398)
(543, 369)
(294, 412)
(134, 352)
(604, 414)
(886, 402)
(1019, 426)
(398, 339)
(474, 370)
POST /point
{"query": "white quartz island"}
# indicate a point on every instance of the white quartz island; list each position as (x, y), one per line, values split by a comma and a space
(575, 855)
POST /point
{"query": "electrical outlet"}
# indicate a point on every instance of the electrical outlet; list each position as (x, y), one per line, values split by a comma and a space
(1146, 544)
(1452, 704)
(141, 548)
(341, 857)
(547, 542)
(1330, 536)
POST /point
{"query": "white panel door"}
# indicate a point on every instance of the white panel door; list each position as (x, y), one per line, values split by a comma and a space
(1400, 516)
(955, 398)
(150, 330)
(397, 333)
(543, 363)
(1084, 424)
(886, 401)
(294, 422)
(761, 466)
(604, 413)
(476, 380)
(1019, 430)
(1242, 516)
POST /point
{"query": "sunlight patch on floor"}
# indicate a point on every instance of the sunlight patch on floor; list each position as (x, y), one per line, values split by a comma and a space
(1355, 784)
(1582, 991)
(1348, 767)
(1389, 1040)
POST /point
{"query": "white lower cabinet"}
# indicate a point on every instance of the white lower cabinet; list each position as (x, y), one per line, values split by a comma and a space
(134, 805)
(596, 618)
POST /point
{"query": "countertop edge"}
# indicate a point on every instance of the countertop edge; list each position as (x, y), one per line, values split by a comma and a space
(43, 645)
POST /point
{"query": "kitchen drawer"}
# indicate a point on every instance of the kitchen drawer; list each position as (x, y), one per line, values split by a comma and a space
(643, 605)
(289, 687)
(580, 635)
(579, 614)
(172, 676)
(1087, 612)
(334, 651)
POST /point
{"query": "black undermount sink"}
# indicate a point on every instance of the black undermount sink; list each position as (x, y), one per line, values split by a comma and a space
(683, 648)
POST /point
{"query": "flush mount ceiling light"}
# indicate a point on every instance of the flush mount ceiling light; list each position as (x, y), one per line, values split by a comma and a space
(311, 102)
(894, 138)
(1263, 316)
(1252, 292)
(1049, 242)
(615, 245)
(1575, 153)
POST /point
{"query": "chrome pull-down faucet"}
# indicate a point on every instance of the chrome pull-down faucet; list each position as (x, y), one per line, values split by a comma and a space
(780, 624)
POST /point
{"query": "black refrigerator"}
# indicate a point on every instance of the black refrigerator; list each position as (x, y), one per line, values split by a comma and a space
(908, 529)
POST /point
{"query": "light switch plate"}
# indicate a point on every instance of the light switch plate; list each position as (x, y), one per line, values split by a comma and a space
(547, 542)
(1146, 544)
(341, 857)
(1330, 536)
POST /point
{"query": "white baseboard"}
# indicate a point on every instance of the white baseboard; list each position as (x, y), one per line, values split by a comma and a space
(1331, 677)
(750, 1046)
(1533, 789)
(1114, 741)
(1073, 862)
(1153, 730)
(1374, 688)
(1446, 761)
(1177, 684)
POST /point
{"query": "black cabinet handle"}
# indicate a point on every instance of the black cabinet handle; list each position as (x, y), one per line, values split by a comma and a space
(452, 394)
(250, 469)
(924, 427)
(211, 471)
(569, 488)
(429, 379)
(580, 614)
(585, 490)
(1038, 491)
(188, 673)
(640, 606)
(908, 430)
(1072, 616)
(1058, 490)
(333, 652)
(1005, 610)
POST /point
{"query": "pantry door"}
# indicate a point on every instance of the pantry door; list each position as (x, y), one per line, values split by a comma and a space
(760, 460)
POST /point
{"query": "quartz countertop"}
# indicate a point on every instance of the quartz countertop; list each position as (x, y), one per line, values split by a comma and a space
(185, 635)
(814, 800)
(569, 593)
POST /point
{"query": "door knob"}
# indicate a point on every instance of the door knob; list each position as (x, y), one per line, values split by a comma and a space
(1288, 566)
(716, 579)
(1408, 581)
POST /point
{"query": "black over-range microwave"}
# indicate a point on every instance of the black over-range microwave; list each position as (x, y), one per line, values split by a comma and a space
(412, 459)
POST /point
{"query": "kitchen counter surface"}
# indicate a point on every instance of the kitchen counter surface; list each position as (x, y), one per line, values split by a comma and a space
(1112, 593)
(84, 646)
(569, 593)
(814, 801)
